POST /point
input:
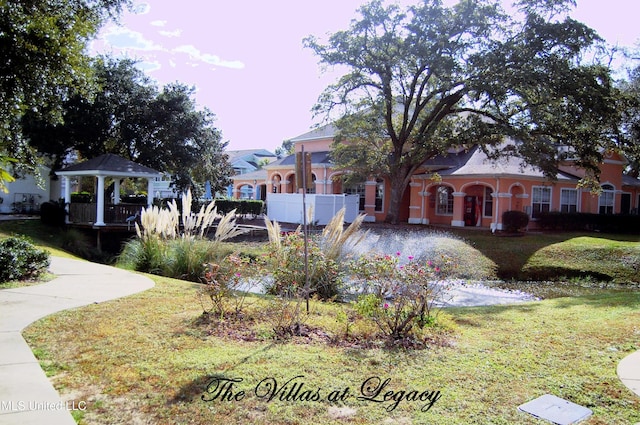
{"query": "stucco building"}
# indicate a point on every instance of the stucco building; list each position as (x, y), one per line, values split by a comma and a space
(471, 191)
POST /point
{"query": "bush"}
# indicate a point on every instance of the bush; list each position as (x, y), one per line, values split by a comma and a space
(398, 297)
(286, 263)
(20, 260)
(81, 197)
(242, 206)
(513, 221)
(52, 213)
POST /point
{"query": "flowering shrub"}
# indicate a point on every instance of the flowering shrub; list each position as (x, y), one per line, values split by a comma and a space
(397, 296)
(285, 261)
(222, 281)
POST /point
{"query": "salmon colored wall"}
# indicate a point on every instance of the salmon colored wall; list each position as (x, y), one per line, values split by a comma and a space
(508, 192)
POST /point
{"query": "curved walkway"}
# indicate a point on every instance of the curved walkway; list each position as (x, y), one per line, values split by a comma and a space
(629, 372)
(26, 394)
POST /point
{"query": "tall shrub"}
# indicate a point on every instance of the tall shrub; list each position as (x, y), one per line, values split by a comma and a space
(513, 221)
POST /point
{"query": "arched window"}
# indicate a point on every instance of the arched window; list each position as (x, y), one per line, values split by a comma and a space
(606, 200)
(276, 183)
(444, 200)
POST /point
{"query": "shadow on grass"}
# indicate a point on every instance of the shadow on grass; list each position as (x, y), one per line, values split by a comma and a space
(208, 384)
(512, 255)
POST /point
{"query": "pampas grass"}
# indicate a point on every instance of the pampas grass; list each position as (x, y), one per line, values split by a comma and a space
(174, 243)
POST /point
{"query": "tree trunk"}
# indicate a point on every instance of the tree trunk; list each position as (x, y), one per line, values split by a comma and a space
(398, 182)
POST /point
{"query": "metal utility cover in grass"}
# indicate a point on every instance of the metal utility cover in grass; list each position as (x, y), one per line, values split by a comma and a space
(556, 410)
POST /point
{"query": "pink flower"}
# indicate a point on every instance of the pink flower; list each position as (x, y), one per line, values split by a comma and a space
(437, 269)
(410, 257)
(385, 306)
(398, 253)
(430, 263)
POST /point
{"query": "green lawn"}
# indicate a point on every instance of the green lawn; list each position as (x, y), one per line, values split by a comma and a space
(539, 256)
(151, 356)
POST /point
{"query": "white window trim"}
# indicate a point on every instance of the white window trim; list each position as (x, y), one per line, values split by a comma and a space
(613, 197)
(533, 189)
(578, 206)
(437, 198)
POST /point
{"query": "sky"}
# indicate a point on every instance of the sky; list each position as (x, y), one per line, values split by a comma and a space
(247, 62)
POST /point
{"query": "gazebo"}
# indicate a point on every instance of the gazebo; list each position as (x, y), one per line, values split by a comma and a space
(102, 167)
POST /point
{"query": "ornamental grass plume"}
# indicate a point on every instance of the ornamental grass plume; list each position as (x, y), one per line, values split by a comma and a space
(165, 222)
(335, 237)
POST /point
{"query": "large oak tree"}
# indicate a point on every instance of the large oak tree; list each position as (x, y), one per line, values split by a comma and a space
(129, 116)
(421, 80)
(42, 46)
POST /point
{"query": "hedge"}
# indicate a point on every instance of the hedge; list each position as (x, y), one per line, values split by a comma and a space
(242, 206)
(608, 223)
(81, 197)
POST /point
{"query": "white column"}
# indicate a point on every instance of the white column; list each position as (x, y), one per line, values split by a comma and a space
(116, 191)
(67, 196)
(100, 203)
(150, 193)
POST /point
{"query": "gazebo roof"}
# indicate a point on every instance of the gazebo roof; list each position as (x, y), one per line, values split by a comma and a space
(108, 165)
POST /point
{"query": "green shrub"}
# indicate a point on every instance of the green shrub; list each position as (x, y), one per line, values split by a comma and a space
(513, 221)
(52, 213)
(81, 197)
(398, 298)
(287, 266)
(21, 260)
(609, 223)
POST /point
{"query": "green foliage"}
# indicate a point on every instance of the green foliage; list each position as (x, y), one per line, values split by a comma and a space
(21, 260)
(421, 80)
(52, 213)
(139, 199)
(241, 206)
(514, 221)
(286, 263)
(129, 116)
(81, 197)
(609, 223)
(43, 46)
(326, 259)
(398, 297)
(222, 280)
(173, 243)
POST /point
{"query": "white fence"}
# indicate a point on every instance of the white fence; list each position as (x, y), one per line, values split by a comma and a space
(287, 207)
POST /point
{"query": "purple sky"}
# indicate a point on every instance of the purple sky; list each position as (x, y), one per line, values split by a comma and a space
(246, 59)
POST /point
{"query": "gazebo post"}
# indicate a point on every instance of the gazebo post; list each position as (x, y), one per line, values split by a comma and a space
(67, 198)
(116, 191)
(100, 202)
(150, 193)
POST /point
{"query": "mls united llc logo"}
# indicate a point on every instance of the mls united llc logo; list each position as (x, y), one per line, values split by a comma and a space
(32, 405)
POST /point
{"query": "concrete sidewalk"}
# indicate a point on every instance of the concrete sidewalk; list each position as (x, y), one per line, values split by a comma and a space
(26, 394)
(629, 372)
